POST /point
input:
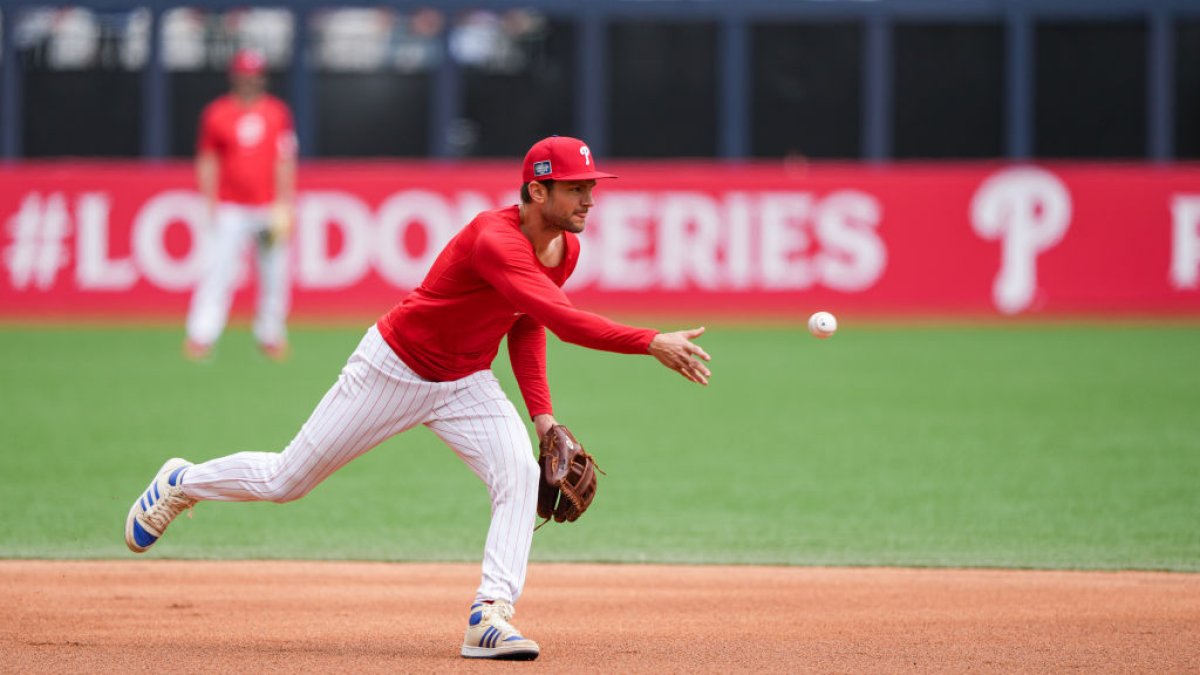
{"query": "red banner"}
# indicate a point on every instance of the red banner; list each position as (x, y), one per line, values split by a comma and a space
(770, 240)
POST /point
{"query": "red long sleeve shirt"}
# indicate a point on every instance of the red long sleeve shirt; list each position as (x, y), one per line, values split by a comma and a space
(488, 283)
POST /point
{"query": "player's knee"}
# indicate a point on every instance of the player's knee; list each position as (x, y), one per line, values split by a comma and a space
(287, 488)
(289, 491)
(528, 470)
(519, 481)
(285, 495)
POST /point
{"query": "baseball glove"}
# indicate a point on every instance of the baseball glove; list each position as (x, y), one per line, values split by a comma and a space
(567, 481)
(279, 225)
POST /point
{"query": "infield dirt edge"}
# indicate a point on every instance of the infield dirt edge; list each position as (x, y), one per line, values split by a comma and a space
(294, 616)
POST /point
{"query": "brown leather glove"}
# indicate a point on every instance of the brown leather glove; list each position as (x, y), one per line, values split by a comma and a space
(567, 482)
(280, 224)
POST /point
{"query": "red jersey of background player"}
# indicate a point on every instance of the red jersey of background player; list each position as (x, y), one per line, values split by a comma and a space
(247, 140)
(488, 283)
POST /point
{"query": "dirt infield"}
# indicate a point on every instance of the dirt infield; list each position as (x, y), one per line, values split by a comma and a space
(223, 617)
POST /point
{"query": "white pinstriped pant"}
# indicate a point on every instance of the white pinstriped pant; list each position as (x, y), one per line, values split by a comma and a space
(377, 396)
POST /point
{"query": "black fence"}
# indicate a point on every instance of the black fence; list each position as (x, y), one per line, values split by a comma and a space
(890, 79)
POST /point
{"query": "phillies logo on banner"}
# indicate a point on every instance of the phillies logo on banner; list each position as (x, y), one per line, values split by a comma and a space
(1028, 211)
(760, 240)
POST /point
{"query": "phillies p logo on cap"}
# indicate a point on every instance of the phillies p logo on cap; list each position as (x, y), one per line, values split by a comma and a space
(248, 62)
(560, 158)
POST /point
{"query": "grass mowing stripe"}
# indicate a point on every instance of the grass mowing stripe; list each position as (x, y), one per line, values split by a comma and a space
(1061, 445)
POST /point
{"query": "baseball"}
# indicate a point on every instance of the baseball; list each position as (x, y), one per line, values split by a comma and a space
(822, 324)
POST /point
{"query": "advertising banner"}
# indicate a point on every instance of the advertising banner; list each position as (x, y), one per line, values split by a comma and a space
(772, 241)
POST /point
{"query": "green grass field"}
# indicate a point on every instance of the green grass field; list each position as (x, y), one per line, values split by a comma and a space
(1061, 446)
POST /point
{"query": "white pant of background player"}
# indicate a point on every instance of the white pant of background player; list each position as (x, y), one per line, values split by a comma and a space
(234, 227)
(377, 396)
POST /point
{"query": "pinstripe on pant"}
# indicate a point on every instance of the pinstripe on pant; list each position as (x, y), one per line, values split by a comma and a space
(377, 396)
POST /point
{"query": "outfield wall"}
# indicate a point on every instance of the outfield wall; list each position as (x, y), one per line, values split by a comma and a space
(698, 238)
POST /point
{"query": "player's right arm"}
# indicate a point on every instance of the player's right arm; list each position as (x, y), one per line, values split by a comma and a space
(207, 167)
(206, 178)
(505, 261)
(508, 265)
(677, 352)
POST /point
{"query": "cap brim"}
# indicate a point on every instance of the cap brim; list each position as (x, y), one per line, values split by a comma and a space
(586, 175)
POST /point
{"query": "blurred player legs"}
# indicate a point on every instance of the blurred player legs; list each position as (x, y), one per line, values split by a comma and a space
(234, 226)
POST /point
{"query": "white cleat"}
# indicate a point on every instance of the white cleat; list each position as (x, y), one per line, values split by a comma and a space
(154, 510)
(491, 636)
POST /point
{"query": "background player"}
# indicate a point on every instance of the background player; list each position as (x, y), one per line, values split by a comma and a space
(427, 361)
(246, 170)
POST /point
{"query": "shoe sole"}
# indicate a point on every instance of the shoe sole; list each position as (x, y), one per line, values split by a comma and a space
(500, 654)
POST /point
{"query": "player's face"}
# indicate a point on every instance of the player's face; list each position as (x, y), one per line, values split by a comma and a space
(247, 85)
(567, 205)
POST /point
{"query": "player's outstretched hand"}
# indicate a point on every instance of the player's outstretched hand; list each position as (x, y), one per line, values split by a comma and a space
(677, 352)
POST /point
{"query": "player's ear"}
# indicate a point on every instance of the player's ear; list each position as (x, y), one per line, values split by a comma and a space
(538, 192)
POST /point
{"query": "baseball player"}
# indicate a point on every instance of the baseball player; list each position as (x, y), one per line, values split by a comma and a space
(427, 361)
(246, 170)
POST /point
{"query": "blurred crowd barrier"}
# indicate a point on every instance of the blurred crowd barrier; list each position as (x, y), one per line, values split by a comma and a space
(383, 59)
(344, 39)
(841, 79)
(772, 241)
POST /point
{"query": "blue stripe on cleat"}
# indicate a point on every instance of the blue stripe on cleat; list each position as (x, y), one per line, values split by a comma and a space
(140, 536)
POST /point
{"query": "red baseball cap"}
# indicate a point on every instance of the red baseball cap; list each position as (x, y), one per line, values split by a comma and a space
(247, 62)
(560, 158)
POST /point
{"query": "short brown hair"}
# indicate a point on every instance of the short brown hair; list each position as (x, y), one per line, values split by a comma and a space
(525, 198)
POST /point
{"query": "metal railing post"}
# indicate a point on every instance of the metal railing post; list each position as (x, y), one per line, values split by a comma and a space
(1019, 61)
(11, 103)
(591, 81)
(156, 121)
(877, 88)
(734, 88)
(1160, 89)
